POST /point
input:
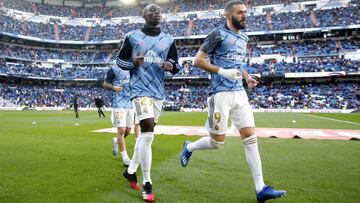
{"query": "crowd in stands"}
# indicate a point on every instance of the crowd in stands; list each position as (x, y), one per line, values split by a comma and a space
(187, 51)
(56, 72)
(52, 96)
(184, 96)
(278, 96)
(279, 21)
(106, 12)
(294, 20)
(70, 11)
(273, 95)
(272, 2)
(311, 96)
(74, 56)
(77, 72)
(310, 47)
(326, 64)
(298, 48)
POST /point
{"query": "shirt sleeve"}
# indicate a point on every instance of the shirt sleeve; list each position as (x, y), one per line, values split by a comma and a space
(124, 60)
(172, 57)
(211, 42)
(110, 76)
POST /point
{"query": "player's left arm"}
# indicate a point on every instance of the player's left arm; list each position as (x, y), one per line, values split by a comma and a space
(171, 63)
(251, 82)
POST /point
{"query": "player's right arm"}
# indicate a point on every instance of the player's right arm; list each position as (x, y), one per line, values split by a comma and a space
(125, 60)
(201, 59)
(249, 80)
(109, 79)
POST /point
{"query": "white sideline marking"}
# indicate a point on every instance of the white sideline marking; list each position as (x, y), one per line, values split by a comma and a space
(260, 132)
(331, 119)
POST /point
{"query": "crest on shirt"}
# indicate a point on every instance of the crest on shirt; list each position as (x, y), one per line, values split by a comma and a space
(161, 45)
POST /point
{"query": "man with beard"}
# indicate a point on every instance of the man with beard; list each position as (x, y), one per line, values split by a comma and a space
(147, 53)
(226, 48)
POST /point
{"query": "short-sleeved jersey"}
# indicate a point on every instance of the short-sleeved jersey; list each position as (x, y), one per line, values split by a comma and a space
(226, 49)
(147, 79)
(118, 77)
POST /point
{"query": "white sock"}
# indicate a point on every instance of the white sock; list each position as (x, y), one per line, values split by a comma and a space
(146, 155)
(135, 161)
(124, 155)
(204, 143)
(254, 161)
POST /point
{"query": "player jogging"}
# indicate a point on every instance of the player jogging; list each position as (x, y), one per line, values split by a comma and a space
(226, 48)
(147, 53)
(122, 115)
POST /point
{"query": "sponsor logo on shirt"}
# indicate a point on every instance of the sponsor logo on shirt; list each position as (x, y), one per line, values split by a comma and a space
(239, 56)
(152, 57)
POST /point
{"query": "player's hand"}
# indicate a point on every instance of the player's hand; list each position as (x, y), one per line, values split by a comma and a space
(232, 74)
(167, 66)
(251, 82)
(117, 88)
(139, 60)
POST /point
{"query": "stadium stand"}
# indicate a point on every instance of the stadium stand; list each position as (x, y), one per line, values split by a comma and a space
(279, 21)
(271, 95)
(55, 72)
(75, 56)
(104, 11)
(50, 96)
(316, 64)
(307, 47)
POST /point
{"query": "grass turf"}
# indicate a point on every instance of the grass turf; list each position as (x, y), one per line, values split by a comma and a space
(274, 120)
(56, 161)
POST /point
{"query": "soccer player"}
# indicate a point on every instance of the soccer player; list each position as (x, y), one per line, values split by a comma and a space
(226, 48)
(76, 107)
(122, 116)
(147, 53)
(99, 103)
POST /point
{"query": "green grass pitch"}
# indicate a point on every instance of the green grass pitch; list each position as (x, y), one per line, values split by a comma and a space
(57, 161)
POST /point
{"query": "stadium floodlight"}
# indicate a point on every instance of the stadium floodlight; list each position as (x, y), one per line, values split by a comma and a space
(128, 2)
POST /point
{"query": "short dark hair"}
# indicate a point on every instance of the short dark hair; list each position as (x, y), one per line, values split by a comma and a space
(144, 9)
(229, 5)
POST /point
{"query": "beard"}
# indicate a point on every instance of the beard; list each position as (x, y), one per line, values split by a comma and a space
(236, 23)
